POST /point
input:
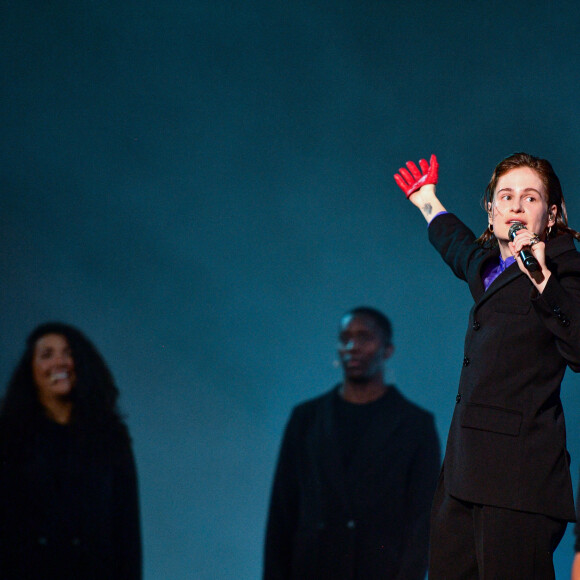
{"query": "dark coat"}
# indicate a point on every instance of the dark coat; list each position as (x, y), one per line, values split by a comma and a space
(68, 512)
(368, 522)
(507, 440)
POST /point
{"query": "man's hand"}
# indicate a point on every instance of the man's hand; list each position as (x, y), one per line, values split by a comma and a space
(410, 180)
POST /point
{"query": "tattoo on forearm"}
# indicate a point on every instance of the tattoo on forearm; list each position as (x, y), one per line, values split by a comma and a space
(427, 209)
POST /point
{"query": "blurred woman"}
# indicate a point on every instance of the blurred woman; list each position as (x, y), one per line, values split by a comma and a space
(505, 492)
(68, 486)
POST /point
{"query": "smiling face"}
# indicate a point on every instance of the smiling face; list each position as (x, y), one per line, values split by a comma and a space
(361, 348)
(520, 196)
(53, 368)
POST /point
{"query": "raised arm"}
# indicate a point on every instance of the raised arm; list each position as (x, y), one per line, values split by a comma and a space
(419, 186)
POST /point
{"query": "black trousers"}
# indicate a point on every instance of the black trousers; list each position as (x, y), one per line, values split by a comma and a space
(480, 542)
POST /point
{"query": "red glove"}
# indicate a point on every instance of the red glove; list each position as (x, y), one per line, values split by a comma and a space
(411, 182)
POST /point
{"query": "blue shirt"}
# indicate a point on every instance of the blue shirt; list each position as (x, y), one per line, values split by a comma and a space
(491, 270)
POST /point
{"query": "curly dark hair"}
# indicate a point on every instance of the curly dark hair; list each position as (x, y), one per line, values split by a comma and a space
(95, 418)
(550, 180)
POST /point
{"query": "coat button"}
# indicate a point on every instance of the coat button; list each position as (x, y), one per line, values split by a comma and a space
(466, 361)
(458, 398)
(476, 325)
(351, 524)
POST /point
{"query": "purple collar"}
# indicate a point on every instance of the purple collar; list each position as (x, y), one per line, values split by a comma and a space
(492, 270)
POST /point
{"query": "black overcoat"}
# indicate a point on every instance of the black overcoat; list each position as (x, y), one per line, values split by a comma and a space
(368, 522)
(69, 512)
(507, 440)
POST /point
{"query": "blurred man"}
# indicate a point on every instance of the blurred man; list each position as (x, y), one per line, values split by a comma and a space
(356, 473)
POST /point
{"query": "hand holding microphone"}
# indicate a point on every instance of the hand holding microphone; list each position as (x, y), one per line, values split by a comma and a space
(528, 259)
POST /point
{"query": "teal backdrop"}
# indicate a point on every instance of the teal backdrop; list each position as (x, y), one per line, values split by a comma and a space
(205, 186)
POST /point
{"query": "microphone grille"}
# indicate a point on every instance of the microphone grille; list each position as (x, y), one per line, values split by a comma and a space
(516, 226)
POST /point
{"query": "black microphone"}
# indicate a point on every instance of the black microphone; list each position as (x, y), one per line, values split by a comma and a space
(526, 255)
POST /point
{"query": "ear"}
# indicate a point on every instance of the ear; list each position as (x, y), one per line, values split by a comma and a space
(552, 213)
(388, 352)
(489, 213)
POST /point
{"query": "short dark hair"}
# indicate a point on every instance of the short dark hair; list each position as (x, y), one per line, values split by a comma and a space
(377, 317)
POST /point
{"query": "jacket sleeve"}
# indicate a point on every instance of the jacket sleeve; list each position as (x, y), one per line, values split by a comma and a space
(127, 519)
(455, 242)
(559, 307)
(421, 483)
(284, 505)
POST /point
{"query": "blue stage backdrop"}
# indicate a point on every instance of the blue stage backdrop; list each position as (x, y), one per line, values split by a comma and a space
(204, 187)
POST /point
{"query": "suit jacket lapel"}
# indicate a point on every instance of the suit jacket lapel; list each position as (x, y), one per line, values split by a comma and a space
(510, 273)
(553, 248)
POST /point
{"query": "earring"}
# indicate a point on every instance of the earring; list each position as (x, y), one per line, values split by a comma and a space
(490, 228)
(549, 231)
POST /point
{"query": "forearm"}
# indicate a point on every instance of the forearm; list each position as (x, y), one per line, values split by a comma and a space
(427, 202)
(455, 243)
(559, 308)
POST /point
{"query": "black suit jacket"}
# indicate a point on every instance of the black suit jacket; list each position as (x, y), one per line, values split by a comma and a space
(367, 522)
(507, 440)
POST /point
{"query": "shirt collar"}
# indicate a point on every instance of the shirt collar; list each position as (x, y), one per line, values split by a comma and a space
(503, 264)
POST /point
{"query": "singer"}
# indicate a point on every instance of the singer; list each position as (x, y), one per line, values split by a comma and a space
(504, 495)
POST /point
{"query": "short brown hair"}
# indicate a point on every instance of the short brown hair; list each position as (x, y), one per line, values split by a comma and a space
(550, 180)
